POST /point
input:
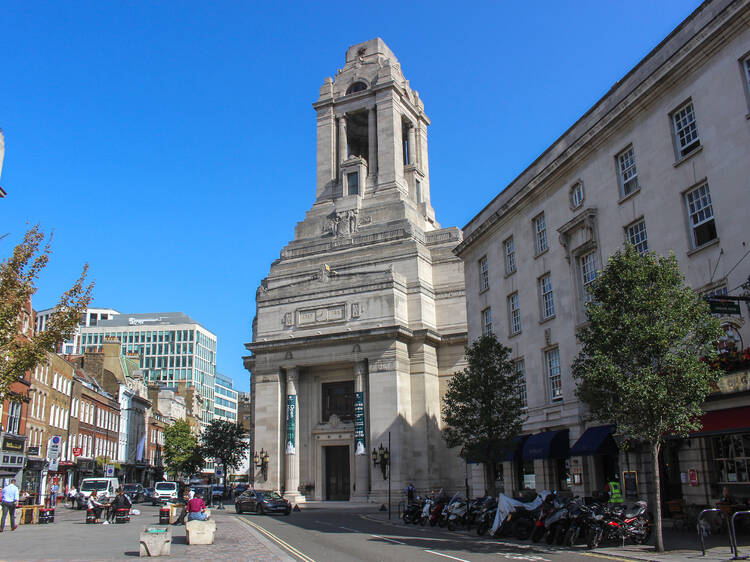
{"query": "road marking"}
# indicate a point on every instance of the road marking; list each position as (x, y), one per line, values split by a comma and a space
(348, 529)
(278, 540)
(606, 556)
(387, 539)
(324, 522)
(446, 556)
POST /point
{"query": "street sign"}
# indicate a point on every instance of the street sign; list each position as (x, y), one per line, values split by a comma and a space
(53, 448)
(53, 464)
(218, 472)
(724, 307)
(77, 451)
(109, 470)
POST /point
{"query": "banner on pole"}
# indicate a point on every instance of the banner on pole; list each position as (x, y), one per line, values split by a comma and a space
(291, 419)
(360, 446)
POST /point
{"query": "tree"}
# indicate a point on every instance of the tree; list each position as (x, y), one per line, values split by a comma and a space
(640, 364)
(18, 275)
(182, 453)
(226, 441)
(482, 407)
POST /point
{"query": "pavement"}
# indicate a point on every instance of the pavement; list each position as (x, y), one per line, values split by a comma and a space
(70, 538)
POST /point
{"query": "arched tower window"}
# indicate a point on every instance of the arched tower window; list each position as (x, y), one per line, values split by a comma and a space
(356, 87)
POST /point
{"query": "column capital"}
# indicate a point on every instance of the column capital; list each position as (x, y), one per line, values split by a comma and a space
(292, 375)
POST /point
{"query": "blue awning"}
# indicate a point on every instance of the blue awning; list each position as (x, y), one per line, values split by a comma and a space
(547, 445)
(511, 453)
(595, 441)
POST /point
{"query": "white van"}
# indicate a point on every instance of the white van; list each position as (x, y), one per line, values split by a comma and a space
(165, 491)
(101, 486)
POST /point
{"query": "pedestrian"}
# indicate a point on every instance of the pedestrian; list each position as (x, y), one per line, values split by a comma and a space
(121, 501)
(72, 494)
(95, 505)
(53, 490)
(10, 502)
(196, 509)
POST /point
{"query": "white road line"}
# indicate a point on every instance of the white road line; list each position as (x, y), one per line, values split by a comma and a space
(324, 522)
(446, 556)
(387, 539)
(348, 529)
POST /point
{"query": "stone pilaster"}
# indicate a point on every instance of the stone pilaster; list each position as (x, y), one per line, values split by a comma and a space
(372, 138)
(291, 486)
(412, 145)
(343, 143)
(361, 462)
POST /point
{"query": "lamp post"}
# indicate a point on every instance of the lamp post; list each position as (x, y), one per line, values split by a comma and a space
(261, 460)
(382, 457)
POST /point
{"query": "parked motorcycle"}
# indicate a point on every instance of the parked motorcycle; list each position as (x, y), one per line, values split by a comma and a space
(486, 515)
(620, 523)
(413, 512)
(548, 506)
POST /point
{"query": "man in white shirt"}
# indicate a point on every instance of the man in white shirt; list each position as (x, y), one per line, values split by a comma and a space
(9, 501)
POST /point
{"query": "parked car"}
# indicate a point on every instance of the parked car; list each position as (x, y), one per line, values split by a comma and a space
(239, 489)
(134, 492)
(148, 494)
(164, 492)
(101, 486)
(261, 502)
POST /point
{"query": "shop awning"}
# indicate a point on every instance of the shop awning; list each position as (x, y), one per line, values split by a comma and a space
(546, 445)
(595, 441)
(507, 453)
(731, 420)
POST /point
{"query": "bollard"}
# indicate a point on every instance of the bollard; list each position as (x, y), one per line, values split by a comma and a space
(164, 515)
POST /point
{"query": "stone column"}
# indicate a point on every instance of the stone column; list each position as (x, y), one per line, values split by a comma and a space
(343, 145)
(292, 456)
(412, 145)
(361, 462)
(372, 137)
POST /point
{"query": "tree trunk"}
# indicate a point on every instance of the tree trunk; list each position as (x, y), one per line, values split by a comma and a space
(655, 447)
(489, 478)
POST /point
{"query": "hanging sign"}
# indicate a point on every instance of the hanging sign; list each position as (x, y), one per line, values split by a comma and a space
(291, 419)
(360, 447)
(693, 477)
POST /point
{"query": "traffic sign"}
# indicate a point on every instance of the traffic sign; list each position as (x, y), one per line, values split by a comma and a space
(53, 448)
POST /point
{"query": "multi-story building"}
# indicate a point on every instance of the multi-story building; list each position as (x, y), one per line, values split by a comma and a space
(172, 348)
(225, 399)
(91, 317)
(662, 161)
(169, 404)
(155, 446)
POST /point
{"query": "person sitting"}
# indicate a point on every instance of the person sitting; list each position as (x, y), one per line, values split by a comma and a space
(196, 509)
(121, 501)
(181, 519)
(96, 506)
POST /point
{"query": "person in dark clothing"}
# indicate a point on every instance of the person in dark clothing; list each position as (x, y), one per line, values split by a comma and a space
(121, 501)
(181, 519)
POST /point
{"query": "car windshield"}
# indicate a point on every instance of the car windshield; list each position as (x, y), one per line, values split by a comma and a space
(166, 486)
(130, 487)
(269, 495)
(94, 485)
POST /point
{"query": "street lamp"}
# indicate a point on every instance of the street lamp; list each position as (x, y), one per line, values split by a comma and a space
(382, 457)
(261, 461)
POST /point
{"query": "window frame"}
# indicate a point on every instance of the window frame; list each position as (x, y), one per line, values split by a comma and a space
(630, 239)
(484, 274)
(486, 316)
(509, 257)
(622, 171)
(522, 387)
(582, 260)
(541, 242)
(542, 294)
(553, 378)
(686, 150)
(514, 314)
(576, 187)
(691, 226)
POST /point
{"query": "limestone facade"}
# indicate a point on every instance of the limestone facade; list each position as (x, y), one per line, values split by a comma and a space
(368, 298)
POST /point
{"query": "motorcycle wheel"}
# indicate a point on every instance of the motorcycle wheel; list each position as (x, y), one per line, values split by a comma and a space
(482, 528)
(406, 518)
(549, 536)
(593, 538)
(433, 522)
(571, 536)
(560, 534)
(422, 521)
(522, 529)
(443, 522)
(537, 534)
(643, 539)
(451, 524)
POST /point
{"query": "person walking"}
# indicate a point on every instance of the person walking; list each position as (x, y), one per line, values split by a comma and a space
(9, 502)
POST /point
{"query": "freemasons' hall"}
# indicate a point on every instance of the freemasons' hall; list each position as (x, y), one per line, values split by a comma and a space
(362, 320)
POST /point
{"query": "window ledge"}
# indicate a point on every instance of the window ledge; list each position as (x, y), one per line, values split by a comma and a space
(713, 242)
(542, 252)
(629, 196)
(545, 320)
(509, 274)
(689, 156)
(518, 333)
(481, 291)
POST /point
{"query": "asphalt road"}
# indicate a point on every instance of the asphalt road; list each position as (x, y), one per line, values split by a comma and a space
(345, 534)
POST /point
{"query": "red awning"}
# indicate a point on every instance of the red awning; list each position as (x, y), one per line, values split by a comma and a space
(731, 420)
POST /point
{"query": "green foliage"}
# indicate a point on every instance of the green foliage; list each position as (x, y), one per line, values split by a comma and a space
(182, 454)
(482, 407)
(639, 366)
(18, 275)
(224, 440)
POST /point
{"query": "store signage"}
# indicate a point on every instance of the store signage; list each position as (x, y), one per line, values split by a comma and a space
(13, 444)
(724, 307)
(33, 451)
(291, 420)
(77, 451)
(360, 446)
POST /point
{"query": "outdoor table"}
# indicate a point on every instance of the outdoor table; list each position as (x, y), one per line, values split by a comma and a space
(33, 509)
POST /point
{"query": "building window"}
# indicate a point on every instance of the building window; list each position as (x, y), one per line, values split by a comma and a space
(685, 130)
(540, 232)
(731, 458)
(510, 256)
(546, 297)
(486, 321)
(14, 417)
(637, 236)
(484, 274)
(520, 367)
(627, 172)
(587, 264)
(700, 215)
(552, 360)
(576, 195)
(352, 181)
(338, 398)
(514, 311)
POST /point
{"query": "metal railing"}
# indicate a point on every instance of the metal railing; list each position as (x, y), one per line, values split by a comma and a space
(733, 536)
(730, 529)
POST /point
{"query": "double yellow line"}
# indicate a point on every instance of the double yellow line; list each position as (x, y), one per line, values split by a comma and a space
(281, 542)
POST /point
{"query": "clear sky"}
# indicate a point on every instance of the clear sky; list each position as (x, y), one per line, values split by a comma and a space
(171, 145)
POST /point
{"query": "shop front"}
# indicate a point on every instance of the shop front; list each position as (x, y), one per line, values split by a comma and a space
(12, 458)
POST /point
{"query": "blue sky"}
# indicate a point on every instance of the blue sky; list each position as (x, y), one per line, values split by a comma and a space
(172, 145)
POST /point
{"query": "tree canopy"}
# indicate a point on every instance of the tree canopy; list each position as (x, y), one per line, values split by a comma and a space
(640, 362)
(182, 453)
(482, 408)
(226, 441)
(18, 275)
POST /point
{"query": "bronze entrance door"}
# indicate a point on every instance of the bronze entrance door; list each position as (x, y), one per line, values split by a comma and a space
(337, 472)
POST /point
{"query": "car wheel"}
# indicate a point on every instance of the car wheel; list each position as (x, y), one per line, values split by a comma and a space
(259, 509)
(287, 512)
(237, 508)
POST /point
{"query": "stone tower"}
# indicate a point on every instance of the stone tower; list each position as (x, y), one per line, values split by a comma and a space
(365, 309)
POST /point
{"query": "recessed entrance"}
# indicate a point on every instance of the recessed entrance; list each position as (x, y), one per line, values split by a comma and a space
(337, 472)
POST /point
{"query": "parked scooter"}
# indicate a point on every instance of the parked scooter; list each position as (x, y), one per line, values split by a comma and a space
(621, 523)
(486, 515)
(413, 511)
